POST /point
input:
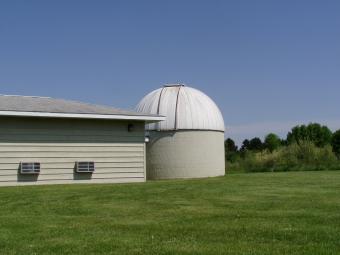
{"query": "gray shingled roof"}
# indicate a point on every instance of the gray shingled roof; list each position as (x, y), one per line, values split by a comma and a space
(52, 105)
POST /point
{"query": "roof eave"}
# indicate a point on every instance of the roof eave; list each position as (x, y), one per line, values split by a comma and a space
(146, 118)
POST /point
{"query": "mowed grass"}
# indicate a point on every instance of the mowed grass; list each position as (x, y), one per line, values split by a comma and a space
(262, 213)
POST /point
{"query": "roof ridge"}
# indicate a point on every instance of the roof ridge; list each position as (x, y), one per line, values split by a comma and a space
(4, 95)
(70, 100)
(92, 104)
(15, 105)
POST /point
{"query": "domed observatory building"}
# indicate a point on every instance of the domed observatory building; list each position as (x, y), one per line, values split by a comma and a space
(190, 142)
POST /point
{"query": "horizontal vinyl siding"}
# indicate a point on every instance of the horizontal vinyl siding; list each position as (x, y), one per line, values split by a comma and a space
(79, 155)
(105, 180)
(61, 176)
(70, 148)
(68, 165)
(71, 160)
(119, 155)
(59, 171)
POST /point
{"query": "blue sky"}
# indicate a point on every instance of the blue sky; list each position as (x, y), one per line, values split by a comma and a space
(267, 64)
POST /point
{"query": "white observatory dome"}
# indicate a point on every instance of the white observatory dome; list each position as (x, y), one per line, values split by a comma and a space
(190, 142)
(185, 108)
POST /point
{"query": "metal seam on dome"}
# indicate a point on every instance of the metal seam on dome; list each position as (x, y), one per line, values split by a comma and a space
(158, 106)
(159, 100)
(176, 110)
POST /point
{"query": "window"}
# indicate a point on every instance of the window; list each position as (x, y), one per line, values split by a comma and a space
(85, 167)
(29, 168)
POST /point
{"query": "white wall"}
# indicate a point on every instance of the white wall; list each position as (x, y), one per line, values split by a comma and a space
(185, 154)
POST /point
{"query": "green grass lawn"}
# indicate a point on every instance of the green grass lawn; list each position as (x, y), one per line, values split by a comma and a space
(262, 213)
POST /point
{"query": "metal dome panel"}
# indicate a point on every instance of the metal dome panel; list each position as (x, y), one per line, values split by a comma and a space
(185, 108)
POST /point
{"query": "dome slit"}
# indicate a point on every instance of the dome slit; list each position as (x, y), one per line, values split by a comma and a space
(176, 110)
(159, 100)
(158, 107)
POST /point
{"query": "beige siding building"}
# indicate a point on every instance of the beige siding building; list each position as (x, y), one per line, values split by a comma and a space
(49, 141)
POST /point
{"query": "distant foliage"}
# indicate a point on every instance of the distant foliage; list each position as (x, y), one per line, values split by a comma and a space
(307, 147)
(336, 143)
(314, 132)
(230, 145)
(272, 142)
(295, 157)
(245, 145)
(254, 144)
(231, 150)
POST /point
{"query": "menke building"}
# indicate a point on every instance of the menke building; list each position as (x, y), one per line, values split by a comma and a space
(45, 141)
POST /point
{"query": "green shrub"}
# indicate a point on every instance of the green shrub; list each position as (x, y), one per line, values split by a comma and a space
(295, 157)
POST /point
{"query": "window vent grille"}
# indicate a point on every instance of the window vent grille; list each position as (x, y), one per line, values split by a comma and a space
(29, 168)
(85, 167)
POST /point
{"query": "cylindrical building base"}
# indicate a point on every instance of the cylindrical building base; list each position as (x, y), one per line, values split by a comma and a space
(185, 154)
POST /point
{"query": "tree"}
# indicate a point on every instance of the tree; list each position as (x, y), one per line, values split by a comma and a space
(314, 132)
(245, 145)
(230, 145)
(255, 144)
(231, 150)
(336, 143)
(272, 142)
(297, 134)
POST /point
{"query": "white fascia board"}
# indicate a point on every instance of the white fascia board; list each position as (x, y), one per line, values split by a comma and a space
(82, 116)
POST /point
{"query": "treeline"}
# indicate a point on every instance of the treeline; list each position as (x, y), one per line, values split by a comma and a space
(306, 147)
